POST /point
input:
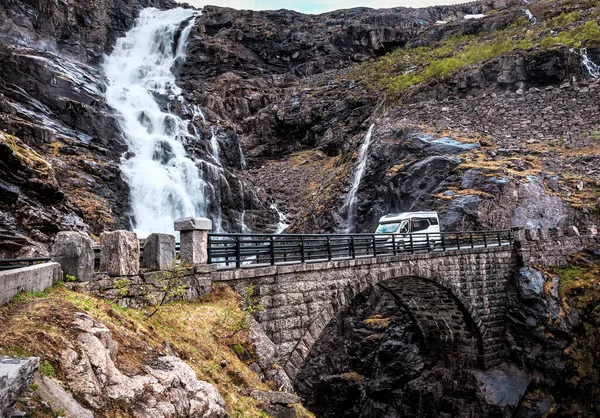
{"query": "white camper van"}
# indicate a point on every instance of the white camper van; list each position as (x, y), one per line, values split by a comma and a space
(423, 226)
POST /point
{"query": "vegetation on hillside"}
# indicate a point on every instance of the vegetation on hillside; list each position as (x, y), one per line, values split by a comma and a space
(39, 325)
(398, 70)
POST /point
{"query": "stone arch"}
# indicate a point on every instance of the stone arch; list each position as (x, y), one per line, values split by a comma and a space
(459, 334)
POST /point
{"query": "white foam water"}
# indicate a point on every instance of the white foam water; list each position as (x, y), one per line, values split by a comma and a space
(165, 184)
(282, 225)
(357, 175)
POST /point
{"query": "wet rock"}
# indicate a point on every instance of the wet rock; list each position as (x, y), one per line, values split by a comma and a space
(503, 386)
(15, 376)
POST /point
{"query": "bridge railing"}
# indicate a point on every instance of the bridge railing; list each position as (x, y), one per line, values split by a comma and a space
(238, 250)
(15, 263)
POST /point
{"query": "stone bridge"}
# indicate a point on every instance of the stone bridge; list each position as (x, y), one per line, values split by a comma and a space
(457, 298)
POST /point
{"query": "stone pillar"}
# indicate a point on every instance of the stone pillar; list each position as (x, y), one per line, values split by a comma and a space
(572, 231)
(531, 234)
(159, 251)
(194, 239)
(73, 251)
(518, 235)
(119, 253)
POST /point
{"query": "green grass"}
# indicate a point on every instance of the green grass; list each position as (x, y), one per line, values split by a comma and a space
(398, 70)
(569, 274)
(46, 368)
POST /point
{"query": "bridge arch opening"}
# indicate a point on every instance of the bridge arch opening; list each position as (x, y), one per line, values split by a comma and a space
(390, 334)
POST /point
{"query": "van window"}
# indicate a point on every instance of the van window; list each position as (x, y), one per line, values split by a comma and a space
(433, 221)
(387, 228)
(419, 224)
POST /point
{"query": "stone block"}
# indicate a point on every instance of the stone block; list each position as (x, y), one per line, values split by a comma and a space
(36, 278)
(194, 246)
(193, 224)
(73, 251)
(16, 374)
(119, 253)
(572, 231)
(159, 251)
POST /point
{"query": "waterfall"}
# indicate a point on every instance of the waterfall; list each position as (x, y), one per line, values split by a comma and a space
(357, 175)
(281, 225)
(214, 145)
(588, 65)
(165, 183)
(530, 17)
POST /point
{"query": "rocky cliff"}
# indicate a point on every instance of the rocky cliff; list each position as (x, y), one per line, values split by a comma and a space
(489, 132)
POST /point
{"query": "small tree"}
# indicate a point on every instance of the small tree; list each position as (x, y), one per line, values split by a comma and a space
(229, 322)
(170, 283)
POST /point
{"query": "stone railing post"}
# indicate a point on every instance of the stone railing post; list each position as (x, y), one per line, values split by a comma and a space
(194, 239)
(159, 251)
(518, 235)
(73, 251)
(119, 253)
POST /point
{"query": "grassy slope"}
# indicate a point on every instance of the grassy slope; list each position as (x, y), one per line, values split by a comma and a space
(570, 23)
(38, 325)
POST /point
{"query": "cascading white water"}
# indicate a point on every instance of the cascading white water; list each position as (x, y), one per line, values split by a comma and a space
(590, 66)
(214, 145)
(357, 175)
(281, 225)
(165, 184)
(530, 17)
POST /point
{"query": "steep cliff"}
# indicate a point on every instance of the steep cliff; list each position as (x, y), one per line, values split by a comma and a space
(491, 121)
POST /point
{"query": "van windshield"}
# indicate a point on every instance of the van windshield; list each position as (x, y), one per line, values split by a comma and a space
(392, 228)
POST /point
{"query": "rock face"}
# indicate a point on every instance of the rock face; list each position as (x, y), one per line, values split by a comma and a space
(73, 251)
(166, 387)
(15, 377)
(372, 362)
(60, 401)
(119, 253)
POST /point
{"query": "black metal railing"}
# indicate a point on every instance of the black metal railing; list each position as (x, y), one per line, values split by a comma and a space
(239, 250)
(15, 263)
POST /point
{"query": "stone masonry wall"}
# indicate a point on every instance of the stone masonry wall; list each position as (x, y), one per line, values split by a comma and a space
(36, 278)
(300, 300)
(534, 250)
(145, 288)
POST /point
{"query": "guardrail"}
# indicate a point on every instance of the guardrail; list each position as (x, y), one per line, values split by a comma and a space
(253, 250)
(15, 263)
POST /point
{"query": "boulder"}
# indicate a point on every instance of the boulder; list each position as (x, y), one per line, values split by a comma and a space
(15, 376)
(60, 401)
(266, 354)
(503, 386)
(159, 251)
(571, 231)
(119, 253)
(73, 251)
(280, 398)
(165, 383)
